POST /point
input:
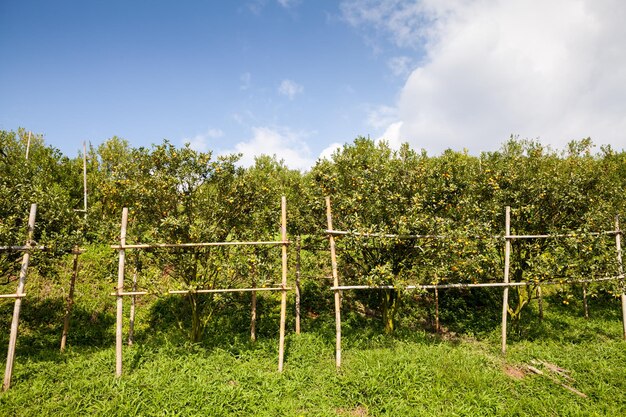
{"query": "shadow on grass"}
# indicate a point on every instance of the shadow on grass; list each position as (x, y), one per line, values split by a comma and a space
(41, 327)
(565, 322)
(167, 322)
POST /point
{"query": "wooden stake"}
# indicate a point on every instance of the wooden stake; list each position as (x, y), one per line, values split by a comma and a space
(133, 301)
(253, 311)
(18, 301)
(70, 302)
(298, 285)
(333, 257)
(585, 303)
(28, 145)
(120, 299)
(283, 295)
(620, 269)
(85, 178)
(507, 256)
(437, 328)
(540, 301)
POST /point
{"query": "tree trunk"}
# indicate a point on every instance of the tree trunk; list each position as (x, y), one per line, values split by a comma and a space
(197, 325)
(390, 307)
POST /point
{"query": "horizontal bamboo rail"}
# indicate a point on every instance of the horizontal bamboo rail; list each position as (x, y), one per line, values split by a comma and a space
(12, 295)
(386, 235)
(122, 294)
(20, 248)
(512, 237)
(195, 245)
(224, 290)
(548, 236)
(468, 285)
(221, 290)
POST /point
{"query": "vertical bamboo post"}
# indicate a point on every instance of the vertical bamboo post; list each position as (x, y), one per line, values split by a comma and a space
(28, 144)
(585, 302)
(540, 301)
(333, 257)
(85, 179)
(620, 268)
(70, 301)
(298, 285)
(283, 296)
(507, 256)
(120, 298)
(437, 310)
(133, 302)
(253, 308)
(18, 300)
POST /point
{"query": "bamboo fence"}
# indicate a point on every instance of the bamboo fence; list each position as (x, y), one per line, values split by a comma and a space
(120, 293)
(505, 284)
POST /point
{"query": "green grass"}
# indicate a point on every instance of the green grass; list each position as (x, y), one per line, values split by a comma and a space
(413, 373)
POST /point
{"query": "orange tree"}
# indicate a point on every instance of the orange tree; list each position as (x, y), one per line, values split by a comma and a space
(374, 189)
(46, 178)
(552, 192)
(462, 199)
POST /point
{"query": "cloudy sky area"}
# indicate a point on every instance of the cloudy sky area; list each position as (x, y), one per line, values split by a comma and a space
(297, 78)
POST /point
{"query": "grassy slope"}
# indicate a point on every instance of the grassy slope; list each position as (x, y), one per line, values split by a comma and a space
(411, 374)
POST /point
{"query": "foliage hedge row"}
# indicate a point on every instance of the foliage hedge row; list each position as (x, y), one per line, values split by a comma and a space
(182, 195)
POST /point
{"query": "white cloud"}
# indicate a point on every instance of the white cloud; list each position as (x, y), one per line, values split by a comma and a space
(554, 70)
(290, 89)
(381, 116)
(282, 142)
(392, 135)
(406, 22)
(201, 141)
(327, 153)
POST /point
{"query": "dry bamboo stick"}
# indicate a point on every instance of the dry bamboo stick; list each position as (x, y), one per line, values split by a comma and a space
(194, 245)
(18, 301)
(333, 257)
(505, 296)
(120, 299)
(70, 303)
(283, 296)
(620, 270)
(298, 285)
(556, 381)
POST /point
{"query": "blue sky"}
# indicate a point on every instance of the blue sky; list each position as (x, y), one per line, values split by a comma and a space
(298, 77)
